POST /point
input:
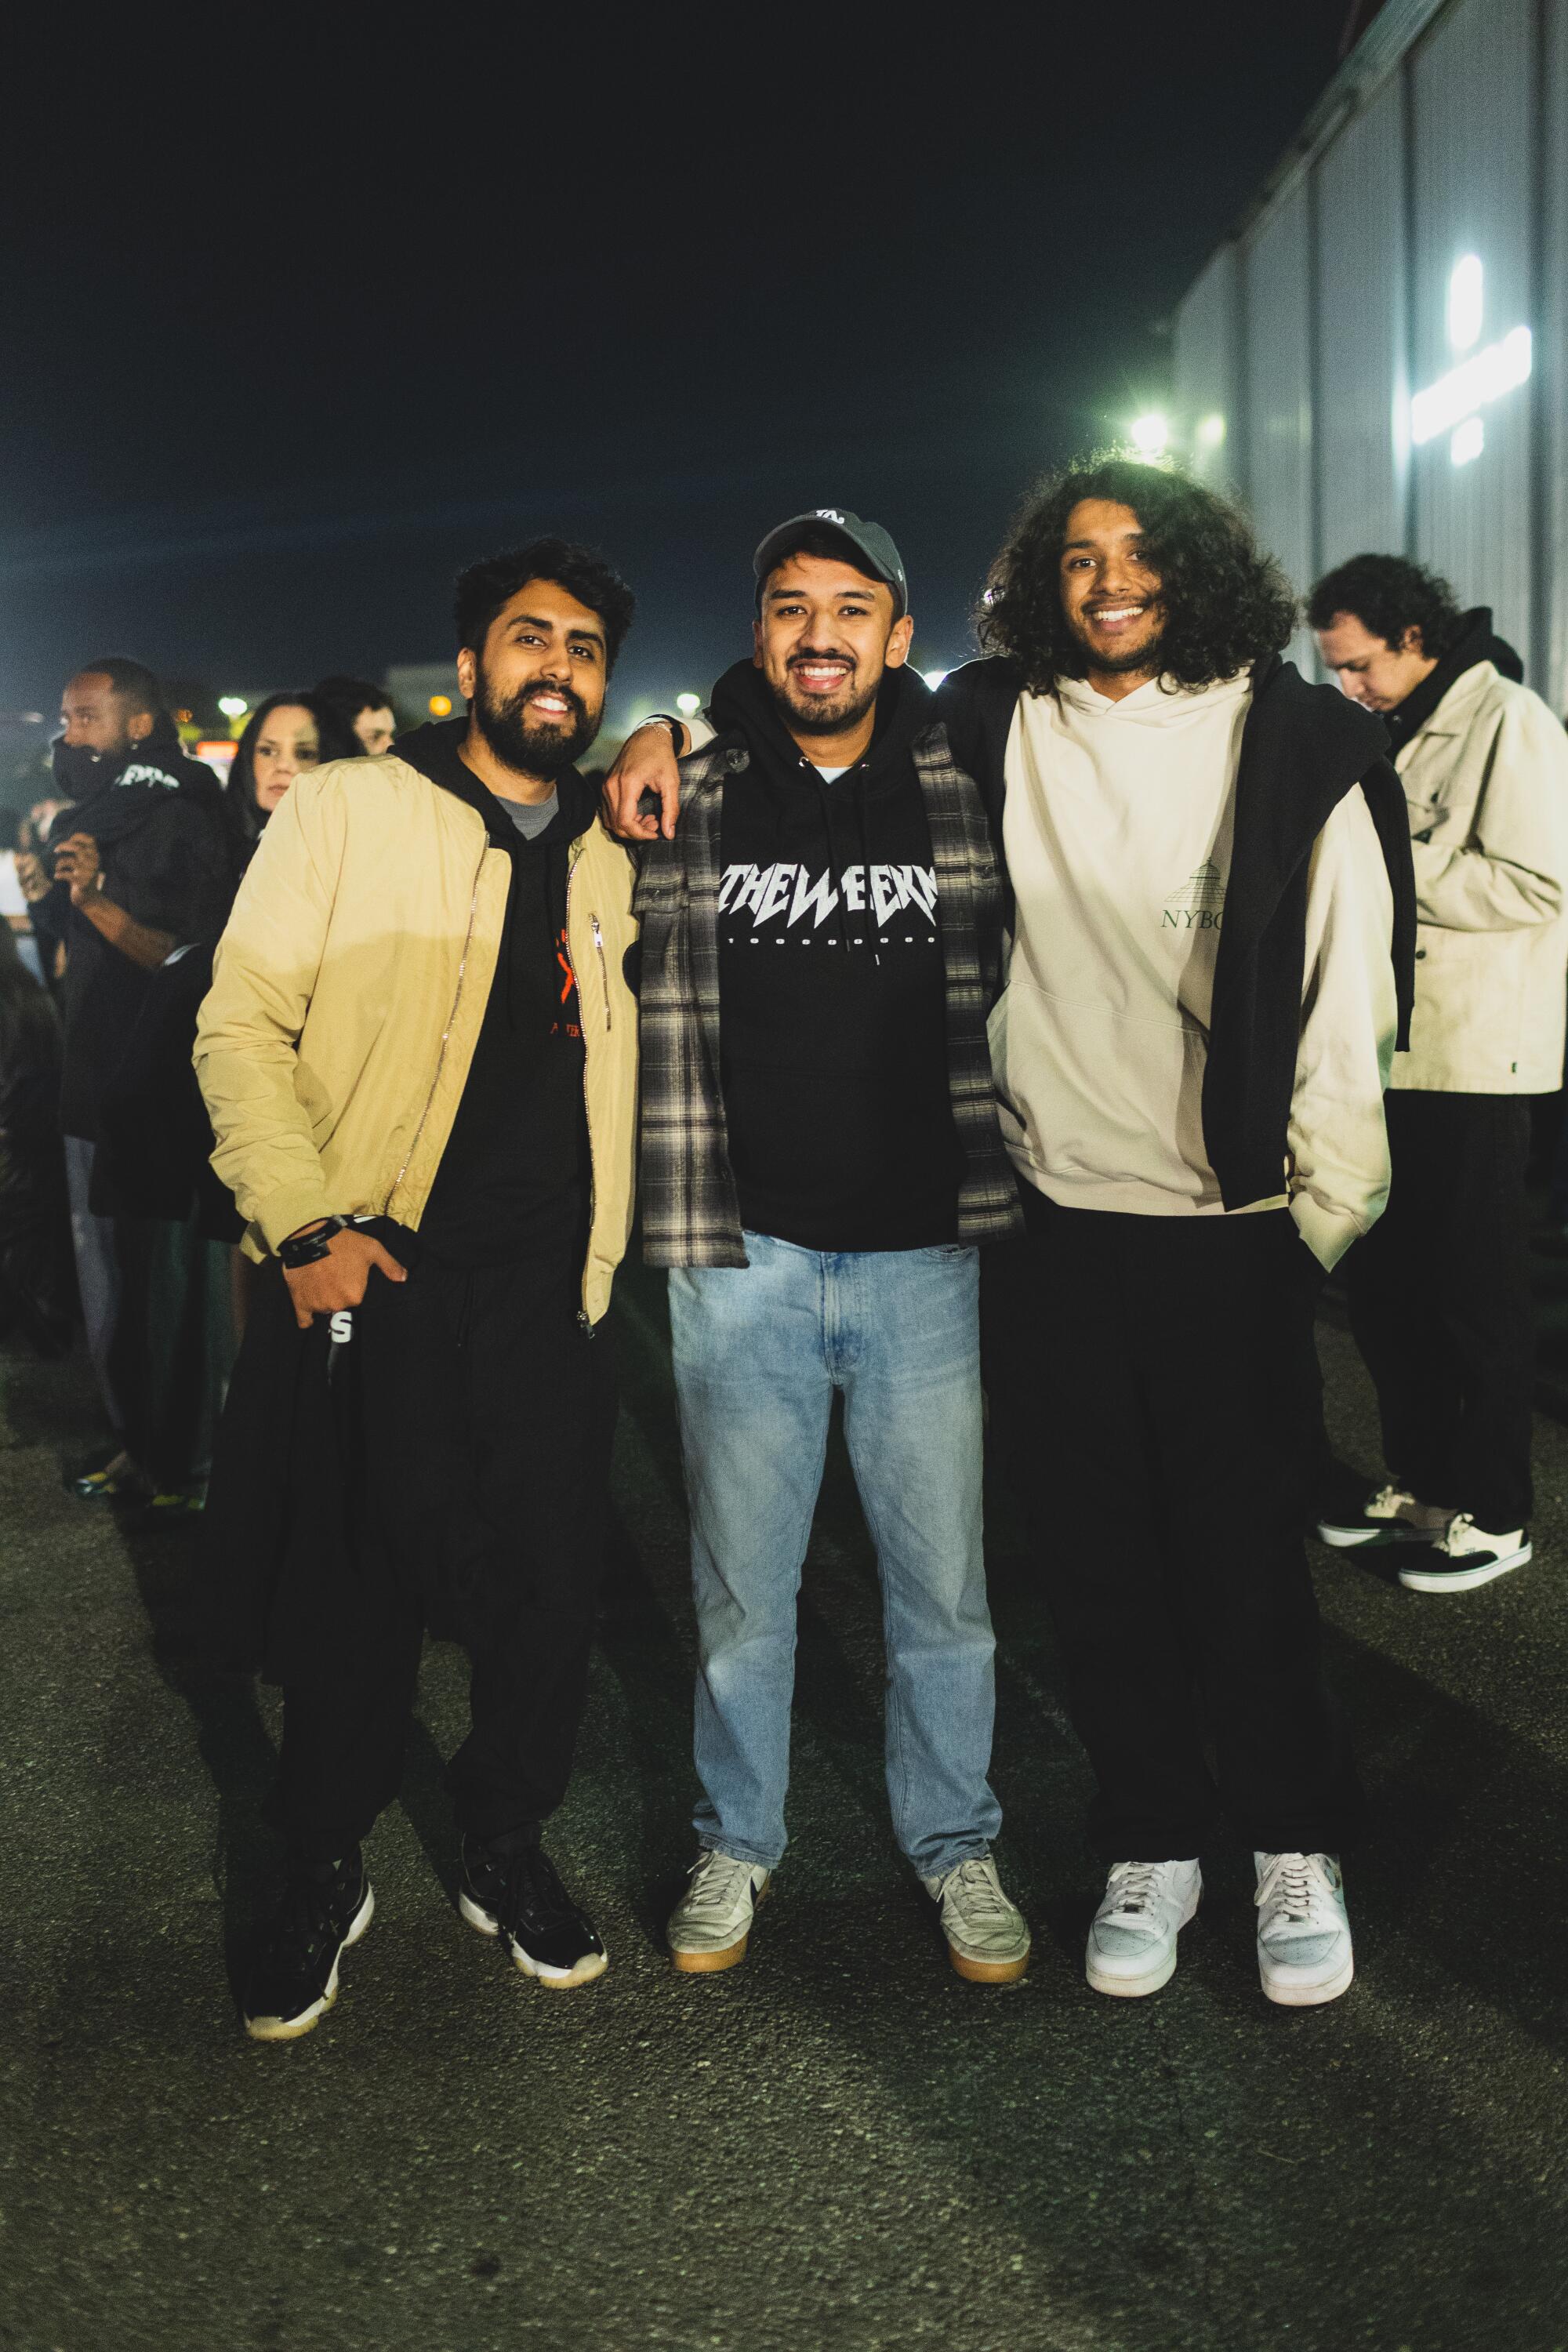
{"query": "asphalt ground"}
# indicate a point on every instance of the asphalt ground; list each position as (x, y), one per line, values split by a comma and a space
(839, 2145)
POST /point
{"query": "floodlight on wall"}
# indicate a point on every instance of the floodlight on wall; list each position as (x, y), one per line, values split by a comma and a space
(689, 704)
(1211, 432)
(1468, 441)
(1151, 434)
(1454, 401)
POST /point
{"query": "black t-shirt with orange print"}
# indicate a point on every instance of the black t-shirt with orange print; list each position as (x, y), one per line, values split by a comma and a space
(513, 1181)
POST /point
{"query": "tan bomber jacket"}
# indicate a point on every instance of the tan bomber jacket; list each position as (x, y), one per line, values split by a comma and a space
(347, 995)
(1487, 785)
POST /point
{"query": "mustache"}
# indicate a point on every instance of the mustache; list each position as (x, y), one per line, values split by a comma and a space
(820, 654)
(516, 705)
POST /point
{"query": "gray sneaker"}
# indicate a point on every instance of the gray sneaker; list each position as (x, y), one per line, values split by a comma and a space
(711, 1926)
(987, 1936)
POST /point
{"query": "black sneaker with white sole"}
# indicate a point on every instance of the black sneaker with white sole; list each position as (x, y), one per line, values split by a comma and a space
(519, 1897)
(293, 1978)
(1464, 1557)
(1392, 1515)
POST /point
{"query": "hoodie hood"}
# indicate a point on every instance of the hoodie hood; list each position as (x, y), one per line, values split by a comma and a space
(435, 750)
(1476, 641)
(743, 702)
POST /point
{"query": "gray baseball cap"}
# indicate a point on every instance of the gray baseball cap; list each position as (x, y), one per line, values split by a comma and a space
(868, 541)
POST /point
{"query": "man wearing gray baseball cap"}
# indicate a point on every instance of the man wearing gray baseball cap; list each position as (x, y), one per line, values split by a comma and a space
(821, 1158)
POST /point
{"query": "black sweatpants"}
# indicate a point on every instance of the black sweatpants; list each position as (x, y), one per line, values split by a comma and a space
(487, 1414)
(1440, 1304)
(1144, 1381)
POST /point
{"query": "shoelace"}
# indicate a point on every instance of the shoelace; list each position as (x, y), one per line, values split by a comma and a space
(1386, 1503)
(716, 1884)
(1136, 1885)
(979, 1889)
(1453, 1538)
(1291, 1885)
(532, 1895)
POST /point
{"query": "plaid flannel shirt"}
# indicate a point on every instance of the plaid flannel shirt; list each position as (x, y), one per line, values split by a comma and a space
(690, 1210)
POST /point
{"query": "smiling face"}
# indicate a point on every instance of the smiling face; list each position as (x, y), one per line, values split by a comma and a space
(1110, 595)
(536, 687)
(289, 743)
(1370, 670)
(825, 635)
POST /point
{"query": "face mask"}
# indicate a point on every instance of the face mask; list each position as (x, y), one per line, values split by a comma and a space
(78, 771)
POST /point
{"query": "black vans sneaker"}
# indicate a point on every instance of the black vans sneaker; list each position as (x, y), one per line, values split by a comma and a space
(294, 1976)
(519, 1896)
(1464, 1557)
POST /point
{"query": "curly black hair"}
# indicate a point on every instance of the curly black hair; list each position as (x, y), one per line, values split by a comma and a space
(485, 587)
(1226, 603)
(1389, 595)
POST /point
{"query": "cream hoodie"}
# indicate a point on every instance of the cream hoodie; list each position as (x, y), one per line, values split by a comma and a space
(1117, 828)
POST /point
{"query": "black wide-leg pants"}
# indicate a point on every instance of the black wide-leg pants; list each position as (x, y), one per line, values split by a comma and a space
(485, 1413)
(1440, 1304)
(1145, 1388)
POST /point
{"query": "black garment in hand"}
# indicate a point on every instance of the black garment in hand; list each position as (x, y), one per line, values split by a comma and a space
(832, 994)
(513, 1179)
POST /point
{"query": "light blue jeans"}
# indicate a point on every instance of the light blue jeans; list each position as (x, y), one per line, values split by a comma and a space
(759, 1351)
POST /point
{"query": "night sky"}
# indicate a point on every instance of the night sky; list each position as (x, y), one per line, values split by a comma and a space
(296, 323)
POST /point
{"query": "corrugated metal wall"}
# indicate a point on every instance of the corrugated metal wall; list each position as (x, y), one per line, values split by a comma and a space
(1363, 380)
(1312, 333)
(1277, 393)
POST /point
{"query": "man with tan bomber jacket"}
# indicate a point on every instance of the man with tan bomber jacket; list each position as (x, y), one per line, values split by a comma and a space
(419, 1057)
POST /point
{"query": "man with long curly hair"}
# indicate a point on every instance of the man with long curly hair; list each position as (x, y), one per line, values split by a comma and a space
(1206, 856)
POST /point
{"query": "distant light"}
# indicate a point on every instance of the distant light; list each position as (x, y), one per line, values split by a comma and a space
(233, 706)
(218, 751)
(1151, 434)
(184, 717)
(1211, 432)
(689, 704)
(1468, 441)
(1467, 299)
(1473, 385)
(440, 706)
(933, 678)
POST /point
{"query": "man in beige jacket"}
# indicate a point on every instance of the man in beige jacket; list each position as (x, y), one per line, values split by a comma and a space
(419, 1055)
(1439, 1291)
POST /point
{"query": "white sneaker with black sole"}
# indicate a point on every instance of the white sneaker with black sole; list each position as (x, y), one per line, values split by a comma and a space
(1304, 1952)
(1464, 1556)
(1133, 1941)
(1392, 1516)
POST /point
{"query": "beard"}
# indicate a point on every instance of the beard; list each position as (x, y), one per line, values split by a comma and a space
(535, 749)
(1149, 655)
(813, 715)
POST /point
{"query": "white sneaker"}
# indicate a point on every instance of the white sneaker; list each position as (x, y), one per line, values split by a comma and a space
(1304, 1953)
(1132, 1942)
(711, 1926)
(1464, 1556)
(1392, 1516)
(987, 1936)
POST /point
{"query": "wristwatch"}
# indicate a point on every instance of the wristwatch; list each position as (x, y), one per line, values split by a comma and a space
(306, 1249)
(678, 728)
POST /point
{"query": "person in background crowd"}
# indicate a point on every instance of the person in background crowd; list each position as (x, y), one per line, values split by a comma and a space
(37, 1291)
(1210, 900)
(1439, 1296)
(284, 738)
(364, 708)
(14, 907)
(420, 1059)
(143, 862)
(821, 1160)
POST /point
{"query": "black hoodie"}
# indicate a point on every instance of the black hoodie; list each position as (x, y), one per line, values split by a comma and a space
(1474, 642)
(831, 989)
(513, 1179)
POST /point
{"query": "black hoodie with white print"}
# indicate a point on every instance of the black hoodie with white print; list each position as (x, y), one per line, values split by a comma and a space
(832, 1005)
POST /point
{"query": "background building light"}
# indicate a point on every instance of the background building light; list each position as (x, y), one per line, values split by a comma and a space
(1474, 383)
(233, 706)
(1466, 301)
(933, 678)
(689, 704)
(1211, 432)
(440, 706)
(1151, 434)
(1468, 441)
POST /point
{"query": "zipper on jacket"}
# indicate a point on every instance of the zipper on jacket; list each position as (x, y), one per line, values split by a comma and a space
(451, 1017)
(587, 1117)
(604, 967)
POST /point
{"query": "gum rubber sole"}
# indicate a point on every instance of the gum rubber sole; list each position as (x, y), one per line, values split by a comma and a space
(289, 2029)
(710, 1964)
(986, 1971)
